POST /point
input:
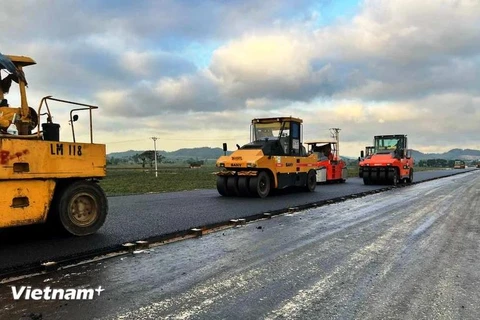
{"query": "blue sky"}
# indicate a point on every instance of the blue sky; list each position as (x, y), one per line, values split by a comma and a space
(334, 10)
(323, 12)
(194, 73)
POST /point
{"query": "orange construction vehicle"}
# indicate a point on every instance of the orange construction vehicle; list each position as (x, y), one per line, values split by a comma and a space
(391, 162)
(330, 167)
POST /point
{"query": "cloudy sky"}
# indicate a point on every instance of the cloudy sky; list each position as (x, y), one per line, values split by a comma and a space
(194, 73)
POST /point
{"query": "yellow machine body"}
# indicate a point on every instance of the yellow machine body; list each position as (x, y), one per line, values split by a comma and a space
(274, 159)
(249, 162)
(29, 170)
(40, 175)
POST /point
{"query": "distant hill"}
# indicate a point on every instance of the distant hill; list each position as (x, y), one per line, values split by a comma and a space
(185, 153)
(214, 153)
(454, 154)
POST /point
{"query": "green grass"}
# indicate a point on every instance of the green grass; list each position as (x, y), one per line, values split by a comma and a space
(127, 181)
(133, 180)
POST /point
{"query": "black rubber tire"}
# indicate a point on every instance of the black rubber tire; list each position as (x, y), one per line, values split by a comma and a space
(410, 176)
(222, 186)
(93, 206)
(395, 177)
(367, 181)
(311, 183)
(243, 186)
(260, 185)
(232, 186)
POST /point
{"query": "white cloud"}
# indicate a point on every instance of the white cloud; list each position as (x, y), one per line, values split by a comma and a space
(396, 66)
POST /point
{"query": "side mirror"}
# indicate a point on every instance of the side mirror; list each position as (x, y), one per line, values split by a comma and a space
(409, 154)
(225, 148)
(71, 121)
(362, 154)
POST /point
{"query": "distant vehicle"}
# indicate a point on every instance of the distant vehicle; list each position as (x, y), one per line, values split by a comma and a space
(459, 164)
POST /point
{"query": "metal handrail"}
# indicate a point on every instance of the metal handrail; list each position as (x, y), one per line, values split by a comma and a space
(49, 118)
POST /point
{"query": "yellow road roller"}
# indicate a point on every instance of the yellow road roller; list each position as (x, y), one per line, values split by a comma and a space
(275, 158)
(41, 175)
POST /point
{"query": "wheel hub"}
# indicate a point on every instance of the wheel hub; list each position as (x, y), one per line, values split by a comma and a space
(83, 209)
(262, 185)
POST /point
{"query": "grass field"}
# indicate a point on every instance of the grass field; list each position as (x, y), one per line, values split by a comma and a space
(129, 180)
(133, 180)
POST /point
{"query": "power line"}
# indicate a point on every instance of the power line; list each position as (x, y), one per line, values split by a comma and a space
(179, 139)
(136, 140)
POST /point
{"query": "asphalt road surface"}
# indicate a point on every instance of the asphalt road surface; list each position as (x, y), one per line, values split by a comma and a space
(408, 253)
(140, 217)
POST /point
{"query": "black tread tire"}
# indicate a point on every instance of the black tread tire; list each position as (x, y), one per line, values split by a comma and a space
(260, 185)
(367, 181)
(311, 183)
(244, 186)
(410, 176)
(87, 189)
(395, 177)
(232, 185)
(252, 185)
(222, 186)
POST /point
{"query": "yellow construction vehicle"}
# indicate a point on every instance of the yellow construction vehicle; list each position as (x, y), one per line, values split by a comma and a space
(41, 176)
(274, 159)
(459, 164)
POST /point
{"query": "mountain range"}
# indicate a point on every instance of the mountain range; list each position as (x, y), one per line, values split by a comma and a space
(213, 153)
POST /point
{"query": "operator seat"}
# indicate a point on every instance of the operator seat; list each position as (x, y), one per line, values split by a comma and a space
(303, 151)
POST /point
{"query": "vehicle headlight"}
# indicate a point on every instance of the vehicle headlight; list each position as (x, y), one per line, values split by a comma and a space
(220, 164)
(251, 165)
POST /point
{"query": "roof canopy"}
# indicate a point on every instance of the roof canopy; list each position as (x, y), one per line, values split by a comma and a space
(277, 119)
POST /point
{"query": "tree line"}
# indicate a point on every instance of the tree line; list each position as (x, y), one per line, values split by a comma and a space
(442, 163)
(147, 159)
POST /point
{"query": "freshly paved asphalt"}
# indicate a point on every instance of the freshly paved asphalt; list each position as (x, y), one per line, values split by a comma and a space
(407, 253)
(138, 217)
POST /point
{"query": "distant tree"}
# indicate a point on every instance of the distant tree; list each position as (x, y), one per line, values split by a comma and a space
(442, 163)
(149, 156)
(136, 158)
(195, 162)
(113, 161)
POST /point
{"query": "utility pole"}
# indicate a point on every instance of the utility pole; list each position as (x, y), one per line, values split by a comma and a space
(155, 154)
(336, 135)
